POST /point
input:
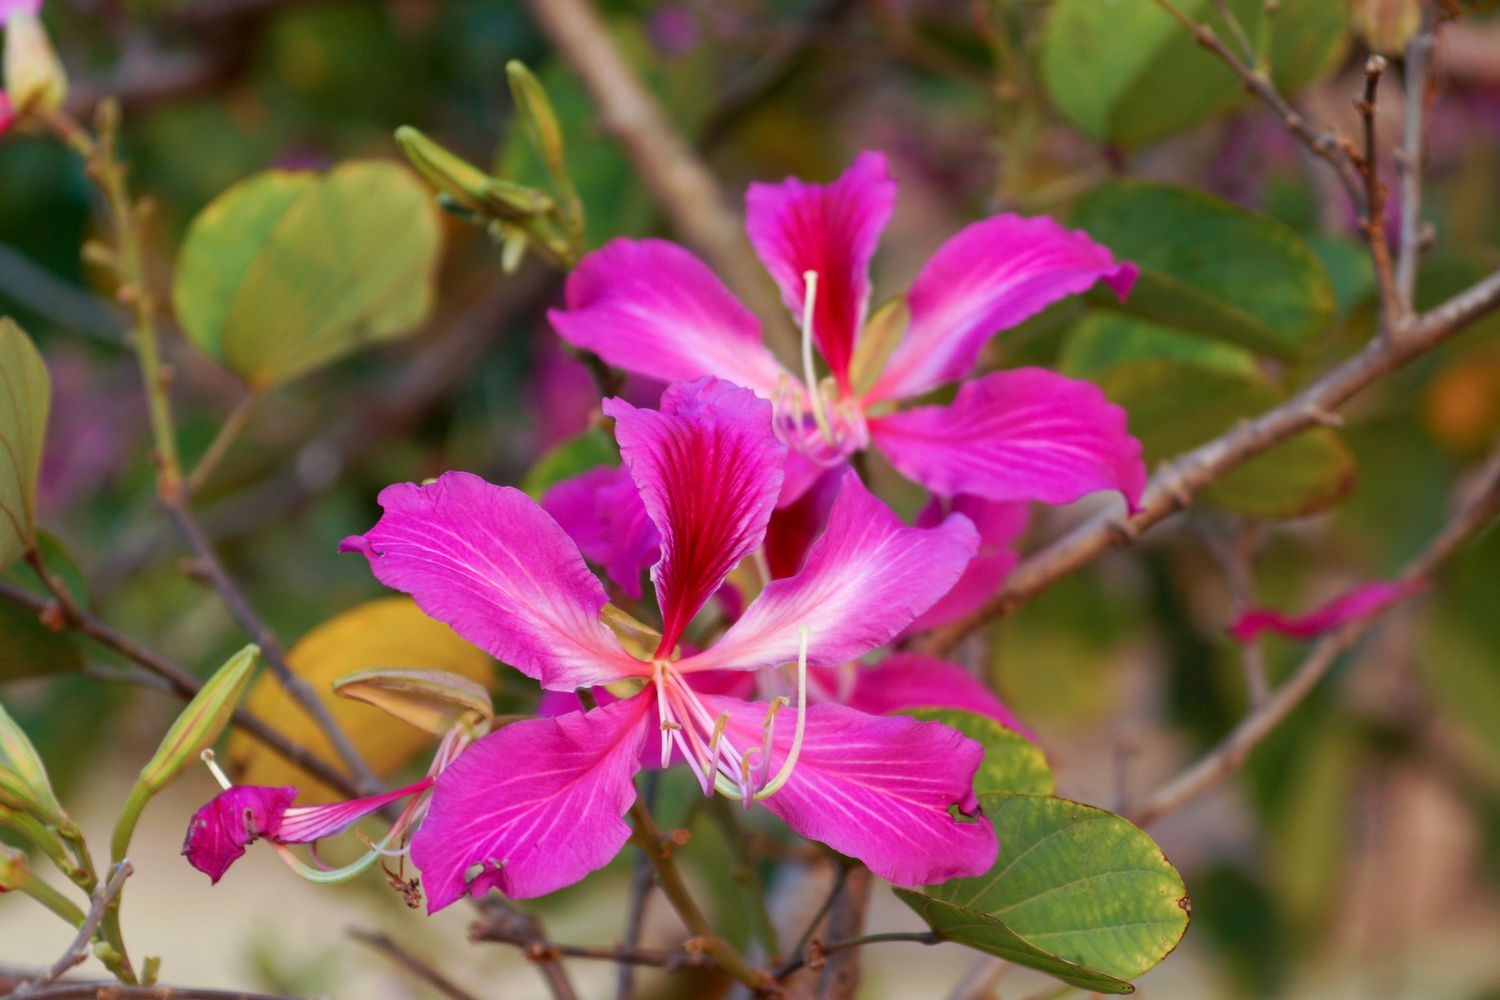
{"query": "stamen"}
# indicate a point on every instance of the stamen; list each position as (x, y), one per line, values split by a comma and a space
(814, 390)
(661, 714)
(714, 743)
(207, 756)
(791, 758)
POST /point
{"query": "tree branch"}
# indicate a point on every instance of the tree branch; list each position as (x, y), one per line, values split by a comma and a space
(1175, 484)
(1418, 78)
(1478, 505)
(411, 962)
(178, 680)
(683, 186)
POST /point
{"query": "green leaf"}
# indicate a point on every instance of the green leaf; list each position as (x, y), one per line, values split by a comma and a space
(1210, 267)
(1012, 763)
(31, 648)
(573, 457)
(1127, 72)
(1176, 404)
(1076, 892)
(1104, 339)
(25, 396)
(287, 272)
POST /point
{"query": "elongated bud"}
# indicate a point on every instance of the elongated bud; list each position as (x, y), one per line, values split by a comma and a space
(195, 730)
(16, 793)
(34, 76)
(13, 870)
(17, 752)
(1386, 25)
(466, 185)
(434, 700)
(536, 111)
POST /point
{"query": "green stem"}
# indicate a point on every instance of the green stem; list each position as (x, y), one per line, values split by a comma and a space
(53, 900)
(44, 840)
(649, 839)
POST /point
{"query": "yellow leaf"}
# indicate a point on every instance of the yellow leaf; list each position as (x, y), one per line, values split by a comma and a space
(389, 632)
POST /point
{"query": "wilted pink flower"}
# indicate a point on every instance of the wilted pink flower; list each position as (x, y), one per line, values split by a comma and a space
(34, 79)
(651, 307)
(1361, 602)
(537, 805)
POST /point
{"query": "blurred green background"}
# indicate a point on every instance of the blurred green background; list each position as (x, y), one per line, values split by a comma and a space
(1356, 855)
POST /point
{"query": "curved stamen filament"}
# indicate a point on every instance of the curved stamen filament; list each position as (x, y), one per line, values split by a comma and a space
(785, 773)
(814, 391)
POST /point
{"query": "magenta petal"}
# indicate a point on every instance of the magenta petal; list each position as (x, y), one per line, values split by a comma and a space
(989, 277)
(1021, 434)
(864, 580)
(305, 824)
(908, 680)
(602, 512)
(877, 788)
(794, 527)
(489, 562)
(534, 807)
(999, 525)
(10, 8)
(650, 307)
(709, 470)
(832, 229)
(7, 112)
(1361, 602)
(218, 833)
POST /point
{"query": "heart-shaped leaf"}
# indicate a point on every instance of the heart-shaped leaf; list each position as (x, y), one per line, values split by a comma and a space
(1127, 72)
(1212, 268)
(387, 633)
(1012, 763)
(286, 272)
(25, 396)
(1076, 892)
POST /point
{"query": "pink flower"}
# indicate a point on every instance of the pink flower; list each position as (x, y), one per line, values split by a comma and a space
(538, 805)
(651, 307)
(241, 814)
(1364, 601)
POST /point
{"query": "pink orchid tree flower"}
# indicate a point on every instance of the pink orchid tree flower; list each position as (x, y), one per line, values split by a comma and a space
(1363, 601)
(242, 814)
(651, 307)
(539, 804)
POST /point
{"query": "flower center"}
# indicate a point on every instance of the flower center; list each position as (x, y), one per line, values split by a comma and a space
(741, 772)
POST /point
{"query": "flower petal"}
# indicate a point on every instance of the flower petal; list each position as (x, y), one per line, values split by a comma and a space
(794, 527)
(832, 229)
(217, 833)
(7, 112)
(651, 307)
(489, 562)
(864, 581)
(536, 806)
(10, 8)
(999, 524)
(709, 470)
(305, 824)
(1021, 434)
(602, 512)
(989, 277)
(877, 788)
(909, 680)
(1361, 602)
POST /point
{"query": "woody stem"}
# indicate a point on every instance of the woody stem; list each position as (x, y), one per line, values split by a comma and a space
(649, 839)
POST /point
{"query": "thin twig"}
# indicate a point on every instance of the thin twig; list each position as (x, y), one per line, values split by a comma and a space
(260, 633)
(1478, 506)
(682, 185)
(181, 682)
(846, 924)
(1373, 223)
(1325, 144)
(1235, 558)
(840, 875)
(504, 923)
(818, 951)
(411, 962)
(79, 949)
(640, 896)
(1175, 484)
(654, 958)
(119, 991)
(1417, 74)
(229, 430)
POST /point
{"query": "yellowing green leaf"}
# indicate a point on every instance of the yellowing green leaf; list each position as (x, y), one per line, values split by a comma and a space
(25, 395)
(287, 272)
(390, 632)
(1012, 763)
